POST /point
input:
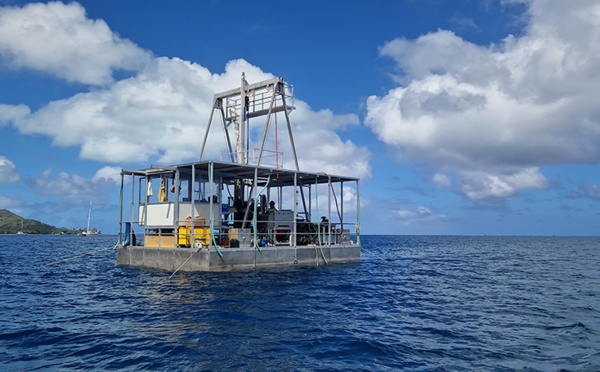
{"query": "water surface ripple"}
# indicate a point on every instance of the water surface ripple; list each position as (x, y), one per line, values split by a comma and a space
(443, 303)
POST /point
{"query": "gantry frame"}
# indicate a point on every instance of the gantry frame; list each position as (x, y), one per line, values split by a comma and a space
(237, 106)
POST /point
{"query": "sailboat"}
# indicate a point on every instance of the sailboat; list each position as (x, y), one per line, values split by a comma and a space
(88, 231)
(21, 232)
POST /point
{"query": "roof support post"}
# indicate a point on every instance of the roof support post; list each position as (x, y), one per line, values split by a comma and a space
(210, 204)
(329, 210)
(293, 240)
(132, 205)
(121, 208)
(176, 201)
(341, 206)
(357, 229)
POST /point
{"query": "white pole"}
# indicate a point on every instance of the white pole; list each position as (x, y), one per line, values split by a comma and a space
(242, 122)
(89, 217)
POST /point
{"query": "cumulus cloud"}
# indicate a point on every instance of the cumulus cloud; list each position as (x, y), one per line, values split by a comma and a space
(419, 215)
(9, 203)
(59, 39)
(442, 180)
(323, 149)
(8, 171)
(586, 191)
(154, 114)
(108, 173)
(10, 113)
(73, 189)
(494, 115)
(160, 112)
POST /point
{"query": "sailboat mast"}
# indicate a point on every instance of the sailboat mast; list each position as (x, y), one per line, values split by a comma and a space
(89, 217)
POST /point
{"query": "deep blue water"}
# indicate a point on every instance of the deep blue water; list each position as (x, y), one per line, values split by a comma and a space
(443, 303)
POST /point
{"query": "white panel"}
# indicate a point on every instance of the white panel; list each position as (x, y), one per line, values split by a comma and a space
(162, 214)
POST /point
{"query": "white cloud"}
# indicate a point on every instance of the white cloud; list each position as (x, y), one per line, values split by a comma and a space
(416, 216)
(159, 114)
(8, 171)
(345, 202)
(75, 190)
(481, 185)
(585, 191)
(9, 203)
(10, 113)
(442, 180)
(108, 173)
(59, 39)
(323, 149)
(494, 115)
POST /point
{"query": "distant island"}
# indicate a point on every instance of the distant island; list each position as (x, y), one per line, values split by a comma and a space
(11, 223)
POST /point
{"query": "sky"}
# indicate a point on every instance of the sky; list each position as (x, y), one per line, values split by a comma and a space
(461, 117)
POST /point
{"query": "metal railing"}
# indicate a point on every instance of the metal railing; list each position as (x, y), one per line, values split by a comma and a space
(273, 158)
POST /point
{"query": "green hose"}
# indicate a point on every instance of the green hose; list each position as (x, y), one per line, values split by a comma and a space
(318, 221)
(212, 212)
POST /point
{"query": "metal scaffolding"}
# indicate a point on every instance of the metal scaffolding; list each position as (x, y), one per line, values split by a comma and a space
(239, 105)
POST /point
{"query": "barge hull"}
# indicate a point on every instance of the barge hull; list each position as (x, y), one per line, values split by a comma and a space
(227, 259)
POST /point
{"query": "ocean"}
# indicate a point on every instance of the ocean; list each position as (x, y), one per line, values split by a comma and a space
(414, 303)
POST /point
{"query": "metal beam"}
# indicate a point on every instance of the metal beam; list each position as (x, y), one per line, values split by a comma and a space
(260, 85)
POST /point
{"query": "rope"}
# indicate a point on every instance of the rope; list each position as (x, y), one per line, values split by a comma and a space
(79, 255)
(318, 221)
(373, 254)
(184, 262)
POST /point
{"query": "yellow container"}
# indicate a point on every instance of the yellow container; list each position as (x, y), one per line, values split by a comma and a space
(165, 241)
(184, 237)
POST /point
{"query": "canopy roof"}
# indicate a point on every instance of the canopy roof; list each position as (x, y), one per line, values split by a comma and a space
(232, 171)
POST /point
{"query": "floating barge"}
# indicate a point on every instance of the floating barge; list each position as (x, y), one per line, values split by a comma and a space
(241, 213)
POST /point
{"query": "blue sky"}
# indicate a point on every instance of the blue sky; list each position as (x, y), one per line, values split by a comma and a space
(460, 117)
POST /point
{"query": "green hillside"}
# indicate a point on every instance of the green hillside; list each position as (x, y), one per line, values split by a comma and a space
(10, 223)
